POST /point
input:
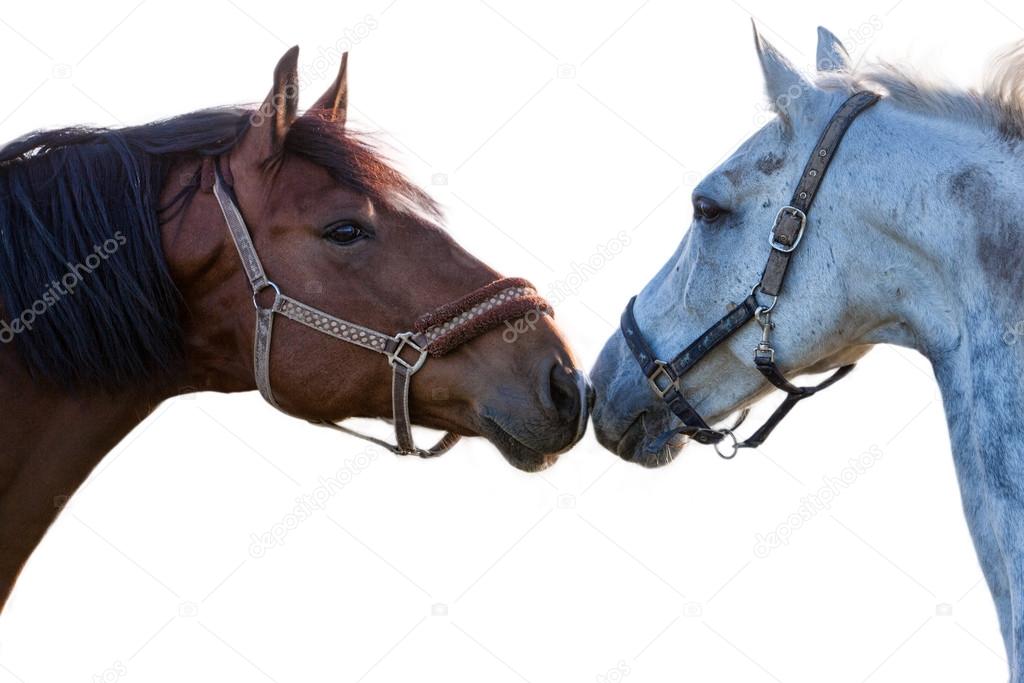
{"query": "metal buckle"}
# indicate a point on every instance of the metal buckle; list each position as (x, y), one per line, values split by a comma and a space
(800, 216)
(406, 339)
(652, 379)
(260, 290)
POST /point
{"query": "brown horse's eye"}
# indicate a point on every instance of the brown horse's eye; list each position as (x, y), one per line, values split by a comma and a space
(345, 233)
(707, 210)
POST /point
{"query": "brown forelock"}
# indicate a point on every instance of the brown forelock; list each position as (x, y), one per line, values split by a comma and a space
(353, 161)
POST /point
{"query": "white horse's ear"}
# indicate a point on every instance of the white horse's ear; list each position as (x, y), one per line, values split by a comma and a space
(786, 88)
(832, 55)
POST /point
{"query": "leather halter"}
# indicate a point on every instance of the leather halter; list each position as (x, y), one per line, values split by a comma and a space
(788, 230)
(434, 334)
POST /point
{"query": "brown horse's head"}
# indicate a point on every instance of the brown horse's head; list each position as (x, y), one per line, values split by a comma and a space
(340, 230)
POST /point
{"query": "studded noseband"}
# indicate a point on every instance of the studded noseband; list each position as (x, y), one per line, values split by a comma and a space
(434, 334)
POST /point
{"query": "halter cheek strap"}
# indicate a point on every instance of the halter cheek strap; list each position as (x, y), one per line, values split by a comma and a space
(435, 334)
(785, 237)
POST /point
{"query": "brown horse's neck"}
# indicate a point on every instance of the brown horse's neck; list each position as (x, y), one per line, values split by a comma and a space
(209, 276)
(50, 441)
(48, 445)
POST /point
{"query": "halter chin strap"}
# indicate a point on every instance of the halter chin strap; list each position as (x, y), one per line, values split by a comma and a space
(435, 334)
(787, 232)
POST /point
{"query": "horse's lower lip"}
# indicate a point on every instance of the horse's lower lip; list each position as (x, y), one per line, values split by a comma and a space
(517, 453)
(634, 446)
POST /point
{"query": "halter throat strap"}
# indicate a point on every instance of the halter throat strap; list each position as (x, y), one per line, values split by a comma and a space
(786, 235)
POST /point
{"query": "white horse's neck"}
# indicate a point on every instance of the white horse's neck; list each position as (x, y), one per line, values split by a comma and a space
(960, 266)
(981, 375)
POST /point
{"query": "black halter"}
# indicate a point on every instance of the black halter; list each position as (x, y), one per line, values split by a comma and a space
(663, 376)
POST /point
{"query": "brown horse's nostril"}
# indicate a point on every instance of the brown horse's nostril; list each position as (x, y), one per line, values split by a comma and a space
(566, 394)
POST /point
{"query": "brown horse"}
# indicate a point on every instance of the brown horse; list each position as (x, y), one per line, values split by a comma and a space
(121, 286)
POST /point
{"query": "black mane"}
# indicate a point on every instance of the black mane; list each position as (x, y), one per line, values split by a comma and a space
(80, 205)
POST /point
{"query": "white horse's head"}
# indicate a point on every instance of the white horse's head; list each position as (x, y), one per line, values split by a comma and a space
(876, 262)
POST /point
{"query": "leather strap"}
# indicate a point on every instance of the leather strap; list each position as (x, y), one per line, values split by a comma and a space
(251, 264)
(390, 346)
(786, 234)
(443, 445)
(400, 407)
(437, 333)
(333, 326)
(794, 395)
(664, 377)
(715, 335)
(792, 219)
(261, 354)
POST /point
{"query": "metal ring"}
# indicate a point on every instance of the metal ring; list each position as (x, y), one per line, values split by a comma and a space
(257, 292)
(764, 309)
(735, 445)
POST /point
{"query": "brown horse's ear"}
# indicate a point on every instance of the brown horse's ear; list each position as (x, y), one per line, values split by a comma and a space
(333, 104)
(270, 123)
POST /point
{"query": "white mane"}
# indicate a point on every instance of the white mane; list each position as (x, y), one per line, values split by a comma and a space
(999, 103)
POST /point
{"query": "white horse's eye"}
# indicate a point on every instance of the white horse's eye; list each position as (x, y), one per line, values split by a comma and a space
(707, 210)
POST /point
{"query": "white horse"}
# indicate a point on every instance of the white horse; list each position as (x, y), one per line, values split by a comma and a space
(916, 239)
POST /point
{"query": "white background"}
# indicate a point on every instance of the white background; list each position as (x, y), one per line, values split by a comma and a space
(556, 125)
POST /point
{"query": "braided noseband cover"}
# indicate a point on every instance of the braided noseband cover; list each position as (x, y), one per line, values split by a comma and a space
(457, 322)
